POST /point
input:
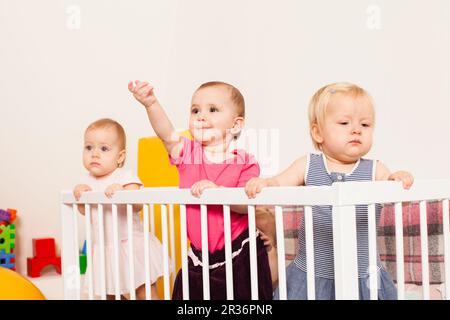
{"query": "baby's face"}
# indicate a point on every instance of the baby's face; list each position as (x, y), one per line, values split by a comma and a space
(348, 128)
(212, 116)
(101, 153)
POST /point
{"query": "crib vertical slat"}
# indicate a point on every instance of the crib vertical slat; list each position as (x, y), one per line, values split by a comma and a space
(184, 248)
(69, 267)
(101, 240)
(115, 233)
(279, 226)
(89, 269)
(446, 233)
(152, 219)
(310, 272)
(252, 247)
(172, 240)
(228, 257)
(148, 295)
(345, 252)
(76, 253)
(399, 251)
(131, 250)
(424, 250)
(205, 253)
(373, 267)
(165, 243)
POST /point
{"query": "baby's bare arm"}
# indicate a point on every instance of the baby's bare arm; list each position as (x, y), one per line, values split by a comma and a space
(143, 92)
(294, 175)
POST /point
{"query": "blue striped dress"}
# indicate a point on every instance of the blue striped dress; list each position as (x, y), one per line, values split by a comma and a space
(317, 174)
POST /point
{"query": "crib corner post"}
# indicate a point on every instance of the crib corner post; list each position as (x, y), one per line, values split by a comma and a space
(345, 248)
(69, 261)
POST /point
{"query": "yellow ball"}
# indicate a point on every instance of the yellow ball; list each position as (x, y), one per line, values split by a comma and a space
(13, 286)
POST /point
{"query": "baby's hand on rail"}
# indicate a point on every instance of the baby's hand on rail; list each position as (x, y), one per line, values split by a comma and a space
(198, 187)
(143, 92)
(254, 186)
(79, 189)
(405, 177)
(109, 191)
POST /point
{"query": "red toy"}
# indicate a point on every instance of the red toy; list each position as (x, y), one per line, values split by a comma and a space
(13, 214)
(44, 248)
(44, 255)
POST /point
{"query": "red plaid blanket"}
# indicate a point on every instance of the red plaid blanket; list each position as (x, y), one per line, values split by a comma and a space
(411, 242)
(293, 217)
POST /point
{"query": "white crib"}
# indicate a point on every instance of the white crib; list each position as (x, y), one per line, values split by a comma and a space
(342, 196)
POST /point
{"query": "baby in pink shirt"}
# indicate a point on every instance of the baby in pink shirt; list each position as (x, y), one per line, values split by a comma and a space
(234, 173)
(216, 119)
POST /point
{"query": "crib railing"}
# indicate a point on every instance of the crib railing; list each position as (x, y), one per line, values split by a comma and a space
(343, 197)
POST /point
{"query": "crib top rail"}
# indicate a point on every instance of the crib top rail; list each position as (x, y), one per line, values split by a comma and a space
(341, 194)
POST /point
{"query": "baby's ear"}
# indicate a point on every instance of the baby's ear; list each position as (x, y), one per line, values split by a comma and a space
(316, 134)
(238, 125)
(121, 158)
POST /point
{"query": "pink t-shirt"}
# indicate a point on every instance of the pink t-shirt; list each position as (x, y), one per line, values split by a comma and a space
(193, 166)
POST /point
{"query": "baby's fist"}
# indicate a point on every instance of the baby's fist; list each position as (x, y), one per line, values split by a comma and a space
(143, 92)
(405, 177)
(198, 187)
(254, 186)
(110, 190)
(79, 189)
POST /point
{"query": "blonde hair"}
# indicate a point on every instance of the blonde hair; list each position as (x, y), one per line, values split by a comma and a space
(109, 123)
(320, 100)
(235, 95)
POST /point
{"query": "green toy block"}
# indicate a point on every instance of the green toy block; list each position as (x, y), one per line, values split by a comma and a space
(83, 263)
(7, 237)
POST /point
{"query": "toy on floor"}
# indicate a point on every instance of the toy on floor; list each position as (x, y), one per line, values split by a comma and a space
(43, 255)
(83, 259)
(7, 238)
(7, 260)
(15, 287)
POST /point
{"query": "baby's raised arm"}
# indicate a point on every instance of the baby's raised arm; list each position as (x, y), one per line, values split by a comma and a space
(143, 92)
(292, 176)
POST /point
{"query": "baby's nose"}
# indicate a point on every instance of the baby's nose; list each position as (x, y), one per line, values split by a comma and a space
(356, 129)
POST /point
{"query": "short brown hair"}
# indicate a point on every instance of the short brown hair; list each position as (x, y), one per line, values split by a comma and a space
(235, 95)
(109, 123)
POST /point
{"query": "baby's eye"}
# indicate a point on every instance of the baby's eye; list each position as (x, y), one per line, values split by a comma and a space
(213, 109)
(344, 123)
(88, 148)
(366, 125)
(104, 149)
(194, 111)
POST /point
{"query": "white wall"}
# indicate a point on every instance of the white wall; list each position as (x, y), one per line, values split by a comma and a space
(55, 78)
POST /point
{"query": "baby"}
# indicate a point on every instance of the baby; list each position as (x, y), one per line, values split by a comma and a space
(217, 114)
(103, 157)
(342, 120)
